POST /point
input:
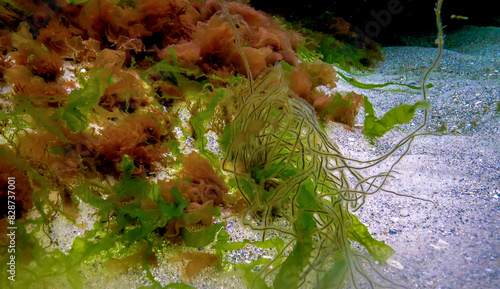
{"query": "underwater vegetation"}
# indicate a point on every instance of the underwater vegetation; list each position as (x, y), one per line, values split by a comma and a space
(94, 101)
(283, 163)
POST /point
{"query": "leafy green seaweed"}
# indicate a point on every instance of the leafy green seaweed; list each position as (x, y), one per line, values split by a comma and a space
(200, 120)
(201, 238)
(291, 270)
(35, 265)
(30, 116)
(358, 84)
(335, 276)
(344, 54)
(359, 233)
(308, 55)
(81, 101)
(169, 70)
(402, 114)
(76, 2)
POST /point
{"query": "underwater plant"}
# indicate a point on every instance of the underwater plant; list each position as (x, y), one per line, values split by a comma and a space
(113, 135)
(284, 164)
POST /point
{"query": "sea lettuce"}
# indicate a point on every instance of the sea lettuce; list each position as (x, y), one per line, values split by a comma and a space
(402, 114)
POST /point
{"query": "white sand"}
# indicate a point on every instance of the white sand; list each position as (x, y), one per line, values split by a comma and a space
(457, 243)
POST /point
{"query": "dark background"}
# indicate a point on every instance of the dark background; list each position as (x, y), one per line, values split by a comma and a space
(416, 19)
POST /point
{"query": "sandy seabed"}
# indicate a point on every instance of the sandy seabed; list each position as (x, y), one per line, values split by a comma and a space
(453, 243)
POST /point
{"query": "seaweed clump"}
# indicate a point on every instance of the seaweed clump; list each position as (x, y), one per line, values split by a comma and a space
(106, 136)
(205, 191)
(304, 82)
(280, 159)
(143, 30)
(140, 137)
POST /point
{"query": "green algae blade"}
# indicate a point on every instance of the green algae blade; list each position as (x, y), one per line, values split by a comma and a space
(292, 268)
(201, 238)
(81, 101)
(362, 85)
(398, 115)
(359, 233)
(336, 275)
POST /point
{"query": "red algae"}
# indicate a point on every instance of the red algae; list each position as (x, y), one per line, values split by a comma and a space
(139, 136)
(201, 35)
(344, 111)
(197, 182)
(23, 189)
(306, 77)
(126, 92)
(304, 82)
(39, 92)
